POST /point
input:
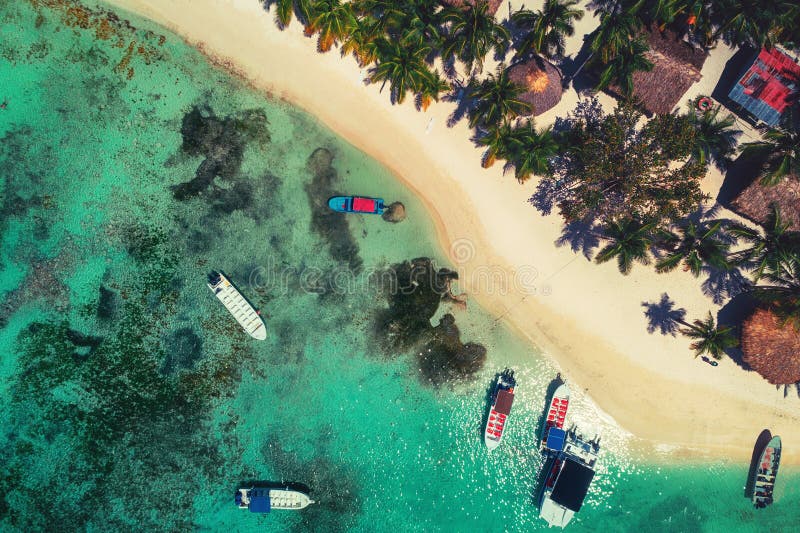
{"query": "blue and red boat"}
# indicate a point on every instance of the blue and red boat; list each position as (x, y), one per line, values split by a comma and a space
(356, 204)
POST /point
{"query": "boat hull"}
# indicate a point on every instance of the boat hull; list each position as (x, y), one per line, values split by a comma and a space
(238, 306)
(356, 204)
(502, 399)
(556, 412)
(766, 473)
(264, 500)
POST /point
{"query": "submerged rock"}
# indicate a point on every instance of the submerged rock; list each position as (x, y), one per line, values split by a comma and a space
(395, 212)
(222, 141)
(414, 291)
(445, 358)
(329, 225)
(107, 304)
(183, 349)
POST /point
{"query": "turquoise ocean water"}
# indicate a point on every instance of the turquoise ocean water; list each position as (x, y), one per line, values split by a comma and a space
(130, 399)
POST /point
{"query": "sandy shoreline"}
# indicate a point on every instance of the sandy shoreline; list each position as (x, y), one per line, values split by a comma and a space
(588, 318)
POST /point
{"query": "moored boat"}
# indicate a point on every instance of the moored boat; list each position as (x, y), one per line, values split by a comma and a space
(502, 399)
(264, 499)
(571, 470)
(356, 204)
(556, 413)
(244, 313)
(766, 473)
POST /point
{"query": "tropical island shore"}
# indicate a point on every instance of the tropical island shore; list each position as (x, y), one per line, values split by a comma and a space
(586, 317)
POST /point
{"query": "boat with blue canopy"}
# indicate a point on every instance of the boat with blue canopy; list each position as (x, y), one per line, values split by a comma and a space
(357, 204)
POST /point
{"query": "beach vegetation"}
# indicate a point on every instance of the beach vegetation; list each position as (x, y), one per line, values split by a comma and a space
(715, 136)
(778, 154)
(696, 244)
(610, 169)
(547, 28)
(472, 33)
(497, 99)
(781, 292)
(530, 150)
(766, 247)
(619, 70)
(404, 68)
(285, 10)
(628, 240)
(710, 338)
(333, 20)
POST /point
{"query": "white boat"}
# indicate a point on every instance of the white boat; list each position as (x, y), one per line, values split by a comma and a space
(237, 305)
(502, 399)
(571, 473)
(264, 499)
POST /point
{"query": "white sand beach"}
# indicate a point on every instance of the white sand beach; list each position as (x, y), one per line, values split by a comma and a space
(588, 318)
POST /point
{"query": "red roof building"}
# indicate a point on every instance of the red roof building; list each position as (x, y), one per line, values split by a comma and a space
(768, 86)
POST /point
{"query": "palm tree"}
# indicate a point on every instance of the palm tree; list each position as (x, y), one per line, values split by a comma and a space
(472, 34)
(362, 41)
(403, 67)
(629, 241)
(780, 153)
(432, 87)
(284, 9)
(710, 338)
(783, 291)
(333, 20)
(767, 250)
(496, 139)
(715, 137)
(620, 69)
(617, 29)
(755, 22)
(496, 100)
(548, 27)
(530, 151)
(696, 244)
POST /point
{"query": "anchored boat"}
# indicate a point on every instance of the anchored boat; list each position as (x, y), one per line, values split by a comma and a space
(237, 305)
(557, 413)
(571, 472)
(766, 472)
(502, 398)
(356, 204)
(263, 500)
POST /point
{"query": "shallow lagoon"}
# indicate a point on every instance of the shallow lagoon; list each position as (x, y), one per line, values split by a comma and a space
(129, 398)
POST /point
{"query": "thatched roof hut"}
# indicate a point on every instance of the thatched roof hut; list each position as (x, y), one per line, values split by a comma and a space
(755, 202)
(494, 5)
(771, 350)
(543, 81)
(676, 67)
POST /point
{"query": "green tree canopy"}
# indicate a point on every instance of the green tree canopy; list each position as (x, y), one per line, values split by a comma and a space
(611, 169)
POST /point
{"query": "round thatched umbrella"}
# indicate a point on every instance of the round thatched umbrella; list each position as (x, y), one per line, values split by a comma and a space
(543, 81)
(494, 5)
(771, 350)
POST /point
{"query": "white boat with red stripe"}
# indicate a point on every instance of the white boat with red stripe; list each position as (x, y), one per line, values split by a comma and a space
(502, 399)
(557, 412)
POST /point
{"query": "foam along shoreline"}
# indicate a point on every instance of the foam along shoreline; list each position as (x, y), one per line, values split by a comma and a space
(586, 317)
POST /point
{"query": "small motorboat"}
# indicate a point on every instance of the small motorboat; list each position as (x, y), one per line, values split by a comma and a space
(556, 413)
(766, 472)
(356, 204)
(502, 399)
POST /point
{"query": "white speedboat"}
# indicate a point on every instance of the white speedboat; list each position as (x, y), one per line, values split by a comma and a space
(263, 499)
